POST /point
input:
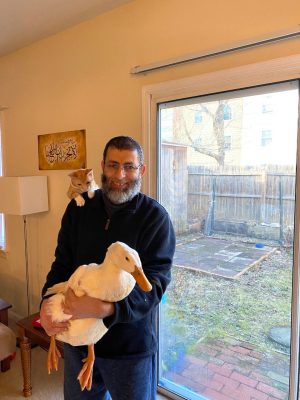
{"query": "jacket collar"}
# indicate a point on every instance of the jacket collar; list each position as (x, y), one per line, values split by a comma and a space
(131, 206)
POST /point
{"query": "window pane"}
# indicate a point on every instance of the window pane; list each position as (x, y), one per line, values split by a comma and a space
(229, 187)
(266, 137)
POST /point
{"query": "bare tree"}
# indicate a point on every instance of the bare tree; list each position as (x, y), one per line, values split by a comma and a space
(217, 148)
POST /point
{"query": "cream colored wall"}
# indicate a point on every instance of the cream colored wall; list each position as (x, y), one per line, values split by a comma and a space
(80, 78)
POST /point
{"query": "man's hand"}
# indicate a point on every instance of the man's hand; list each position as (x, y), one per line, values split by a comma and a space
(51, 328)
(86, 306)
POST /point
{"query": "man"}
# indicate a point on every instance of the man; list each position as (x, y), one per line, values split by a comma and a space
(125, 366)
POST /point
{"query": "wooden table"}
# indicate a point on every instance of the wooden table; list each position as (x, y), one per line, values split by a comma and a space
(29, 336)
(4, 306)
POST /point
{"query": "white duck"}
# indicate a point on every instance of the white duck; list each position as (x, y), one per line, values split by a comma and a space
(110, 281)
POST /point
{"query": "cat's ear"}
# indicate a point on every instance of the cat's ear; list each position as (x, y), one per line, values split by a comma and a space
(88, 170)
(73, 174)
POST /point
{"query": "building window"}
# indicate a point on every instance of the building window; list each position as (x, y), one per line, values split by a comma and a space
(266, 138)
(267, 105)
(227, 114)
(227, 142)
(198, 117)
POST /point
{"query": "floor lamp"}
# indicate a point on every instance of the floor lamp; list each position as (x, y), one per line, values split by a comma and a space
(23, 196)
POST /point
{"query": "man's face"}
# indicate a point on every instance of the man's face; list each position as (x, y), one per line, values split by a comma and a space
(122, 175)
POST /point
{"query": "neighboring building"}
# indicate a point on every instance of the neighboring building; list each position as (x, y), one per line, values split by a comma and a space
(252, 130)
(270, 129)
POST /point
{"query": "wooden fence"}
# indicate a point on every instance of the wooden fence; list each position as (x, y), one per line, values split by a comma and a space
(259, 200)
(174, 185)
(242, 200)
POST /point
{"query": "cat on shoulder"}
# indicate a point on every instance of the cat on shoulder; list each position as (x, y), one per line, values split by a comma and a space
(82, 180)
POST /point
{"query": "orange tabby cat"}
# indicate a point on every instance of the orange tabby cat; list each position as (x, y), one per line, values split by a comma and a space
(82, 181)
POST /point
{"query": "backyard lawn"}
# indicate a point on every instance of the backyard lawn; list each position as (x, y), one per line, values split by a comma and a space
(200, 307)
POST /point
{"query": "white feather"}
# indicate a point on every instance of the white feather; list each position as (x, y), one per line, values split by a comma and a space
(110, 281)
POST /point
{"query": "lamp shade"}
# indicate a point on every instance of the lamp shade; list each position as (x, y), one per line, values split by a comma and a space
(23, 195)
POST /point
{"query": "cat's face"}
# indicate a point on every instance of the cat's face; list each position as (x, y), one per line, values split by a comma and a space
(82, 179)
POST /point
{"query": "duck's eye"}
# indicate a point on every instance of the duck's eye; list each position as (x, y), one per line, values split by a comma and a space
(126, 258)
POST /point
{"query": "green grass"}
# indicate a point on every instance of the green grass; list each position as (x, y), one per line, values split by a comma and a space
(201, 307)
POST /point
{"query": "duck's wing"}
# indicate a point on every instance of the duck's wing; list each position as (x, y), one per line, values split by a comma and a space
(73, 282)
(77, 281)
(57, 288)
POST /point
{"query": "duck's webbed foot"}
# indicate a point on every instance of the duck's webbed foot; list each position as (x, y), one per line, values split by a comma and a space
(53, 356)
(85, 376)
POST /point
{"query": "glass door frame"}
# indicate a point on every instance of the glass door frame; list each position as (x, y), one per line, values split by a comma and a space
(273, 71)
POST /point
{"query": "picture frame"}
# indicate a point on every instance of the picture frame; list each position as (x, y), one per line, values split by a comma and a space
(62, 150)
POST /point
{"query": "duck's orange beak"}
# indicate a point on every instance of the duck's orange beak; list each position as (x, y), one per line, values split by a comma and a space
(141, 279)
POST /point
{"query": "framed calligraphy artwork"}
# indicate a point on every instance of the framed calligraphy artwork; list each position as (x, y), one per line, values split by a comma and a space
(62, 150)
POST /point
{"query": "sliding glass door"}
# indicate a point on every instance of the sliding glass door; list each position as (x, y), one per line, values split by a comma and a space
(227, 174)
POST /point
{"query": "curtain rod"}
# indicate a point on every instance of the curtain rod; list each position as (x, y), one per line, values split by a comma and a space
(216, 52)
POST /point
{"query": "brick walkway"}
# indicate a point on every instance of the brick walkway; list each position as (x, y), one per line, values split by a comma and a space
(233, 370)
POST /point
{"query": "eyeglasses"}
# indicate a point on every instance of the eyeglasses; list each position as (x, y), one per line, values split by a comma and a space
(127, 168)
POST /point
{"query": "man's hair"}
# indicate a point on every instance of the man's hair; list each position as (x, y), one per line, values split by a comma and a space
(124, 143)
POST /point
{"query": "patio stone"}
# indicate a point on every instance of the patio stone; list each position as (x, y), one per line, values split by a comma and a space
(281, 335)
(219, 257)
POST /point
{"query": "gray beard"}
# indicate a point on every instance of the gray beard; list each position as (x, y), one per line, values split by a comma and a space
(121, 196)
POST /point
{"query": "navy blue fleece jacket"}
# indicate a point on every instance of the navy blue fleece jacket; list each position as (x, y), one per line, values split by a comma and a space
(85, 234)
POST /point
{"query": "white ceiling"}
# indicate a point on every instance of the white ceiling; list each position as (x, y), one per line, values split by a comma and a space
(23, 22)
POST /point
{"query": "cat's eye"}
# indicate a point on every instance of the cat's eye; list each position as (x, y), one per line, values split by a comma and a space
(126, 258)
